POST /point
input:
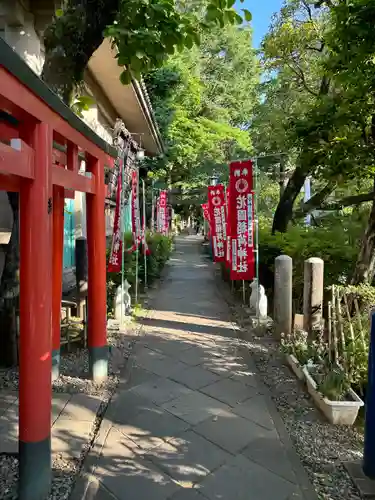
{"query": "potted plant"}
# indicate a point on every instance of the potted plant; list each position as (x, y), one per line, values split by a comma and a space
(330, 387)
(299, 350)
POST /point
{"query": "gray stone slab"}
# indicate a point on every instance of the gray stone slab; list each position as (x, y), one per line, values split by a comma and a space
(81, 407)
(364, 484)
(240, 479)
(125, 405)
(195, 377)
(225, 366)
(195, 407)
(229, 391)
(269, 452)
(89, 488)
(128, 475)
(188, 459)
(232, 432)
(7, 398)
(69, 437)
(59, 402)
(158, 363)
(132, 376)
(150, 427)
(187, 494)
(168, 344)
(196, 355)
(8, 437)
(256, 410)
(160, 390)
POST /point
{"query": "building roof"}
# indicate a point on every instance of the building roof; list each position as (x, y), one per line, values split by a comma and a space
(131, 102)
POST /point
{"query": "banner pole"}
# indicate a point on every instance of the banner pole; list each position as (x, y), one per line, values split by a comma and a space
(256, 235)
(244, 291)
(124, 159)
(137, 238)
(144, 230)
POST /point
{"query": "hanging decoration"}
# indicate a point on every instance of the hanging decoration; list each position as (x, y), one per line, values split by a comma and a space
(216, 205)
(115, 259)
(241, 213)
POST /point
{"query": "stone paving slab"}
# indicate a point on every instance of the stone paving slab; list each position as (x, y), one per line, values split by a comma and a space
(241, 479)
(72, 419)
(193, 422)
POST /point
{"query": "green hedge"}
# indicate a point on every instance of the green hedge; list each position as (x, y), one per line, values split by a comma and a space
(337, 246)
(160, 250)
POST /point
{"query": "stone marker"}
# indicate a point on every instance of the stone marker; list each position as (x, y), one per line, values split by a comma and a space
(283, 295)
(313, 294)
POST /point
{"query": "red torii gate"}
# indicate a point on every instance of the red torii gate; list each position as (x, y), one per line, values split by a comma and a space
(27, 166)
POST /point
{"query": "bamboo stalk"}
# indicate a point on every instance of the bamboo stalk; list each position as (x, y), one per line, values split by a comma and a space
(348, 316)
(334, 329)
(341, 328)
(358, 314)
(330, 331)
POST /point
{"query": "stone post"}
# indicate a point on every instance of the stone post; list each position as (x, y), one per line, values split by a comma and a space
(313, 294)
(283, 295)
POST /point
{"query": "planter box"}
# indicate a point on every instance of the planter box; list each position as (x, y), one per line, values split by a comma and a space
(337, 412)
(295, 365)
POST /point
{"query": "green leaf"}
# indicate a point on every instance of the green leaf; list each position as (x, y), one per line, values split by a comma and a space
(230, 3)
(212, 13)
(248, 15)
(59, 13)
(125, 77)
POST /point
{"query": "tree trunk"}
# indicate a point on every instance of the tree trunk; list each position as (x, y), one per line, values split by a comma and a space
(284, 210)
(69, 42)
(365, 265)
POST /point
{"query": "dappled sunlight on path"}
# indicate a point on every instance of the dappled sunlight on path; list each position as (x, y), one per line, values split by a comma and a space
(191, 421)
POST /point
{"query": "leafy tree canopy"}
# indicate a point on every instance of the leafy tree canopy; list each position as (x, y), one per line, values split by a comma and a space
(203, 99)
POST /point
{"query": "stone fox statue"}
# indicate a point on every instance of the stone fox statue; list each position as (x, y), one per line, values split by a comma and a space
(262, 297)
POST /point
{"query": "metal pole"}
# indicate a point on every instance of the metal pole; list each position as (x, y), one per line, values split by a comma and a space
(369, 448)
(144, 230)
(244, 291)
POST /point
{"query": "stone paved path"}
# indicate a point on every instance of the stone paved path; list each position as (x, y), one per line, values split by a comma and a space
(192, 422)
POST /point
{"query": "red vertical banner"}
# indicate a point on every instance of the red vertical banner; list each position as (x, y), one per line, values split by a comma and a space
(115, 259)
(135, 209)
(163, 214)
(216, 205)
(205, 211)
(241, 210)
(227, 243)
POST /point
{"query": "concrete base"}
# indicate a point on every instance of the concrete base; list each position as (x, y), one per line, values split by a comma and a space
(364, 484)
(98, 363)
(35, 470)
(55, 364)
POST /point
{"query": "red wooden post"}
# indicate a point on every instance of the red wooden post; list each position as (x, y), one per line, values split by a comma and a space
(57, 275)
(97, 294)
(35, 323)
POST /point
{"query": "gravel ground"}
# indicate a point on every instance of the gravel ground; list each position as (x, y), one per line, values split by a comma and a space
(321, 447)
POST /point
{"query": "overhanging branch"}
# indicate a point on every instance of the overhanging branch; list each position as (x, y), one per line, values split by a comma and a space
(348, 201)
